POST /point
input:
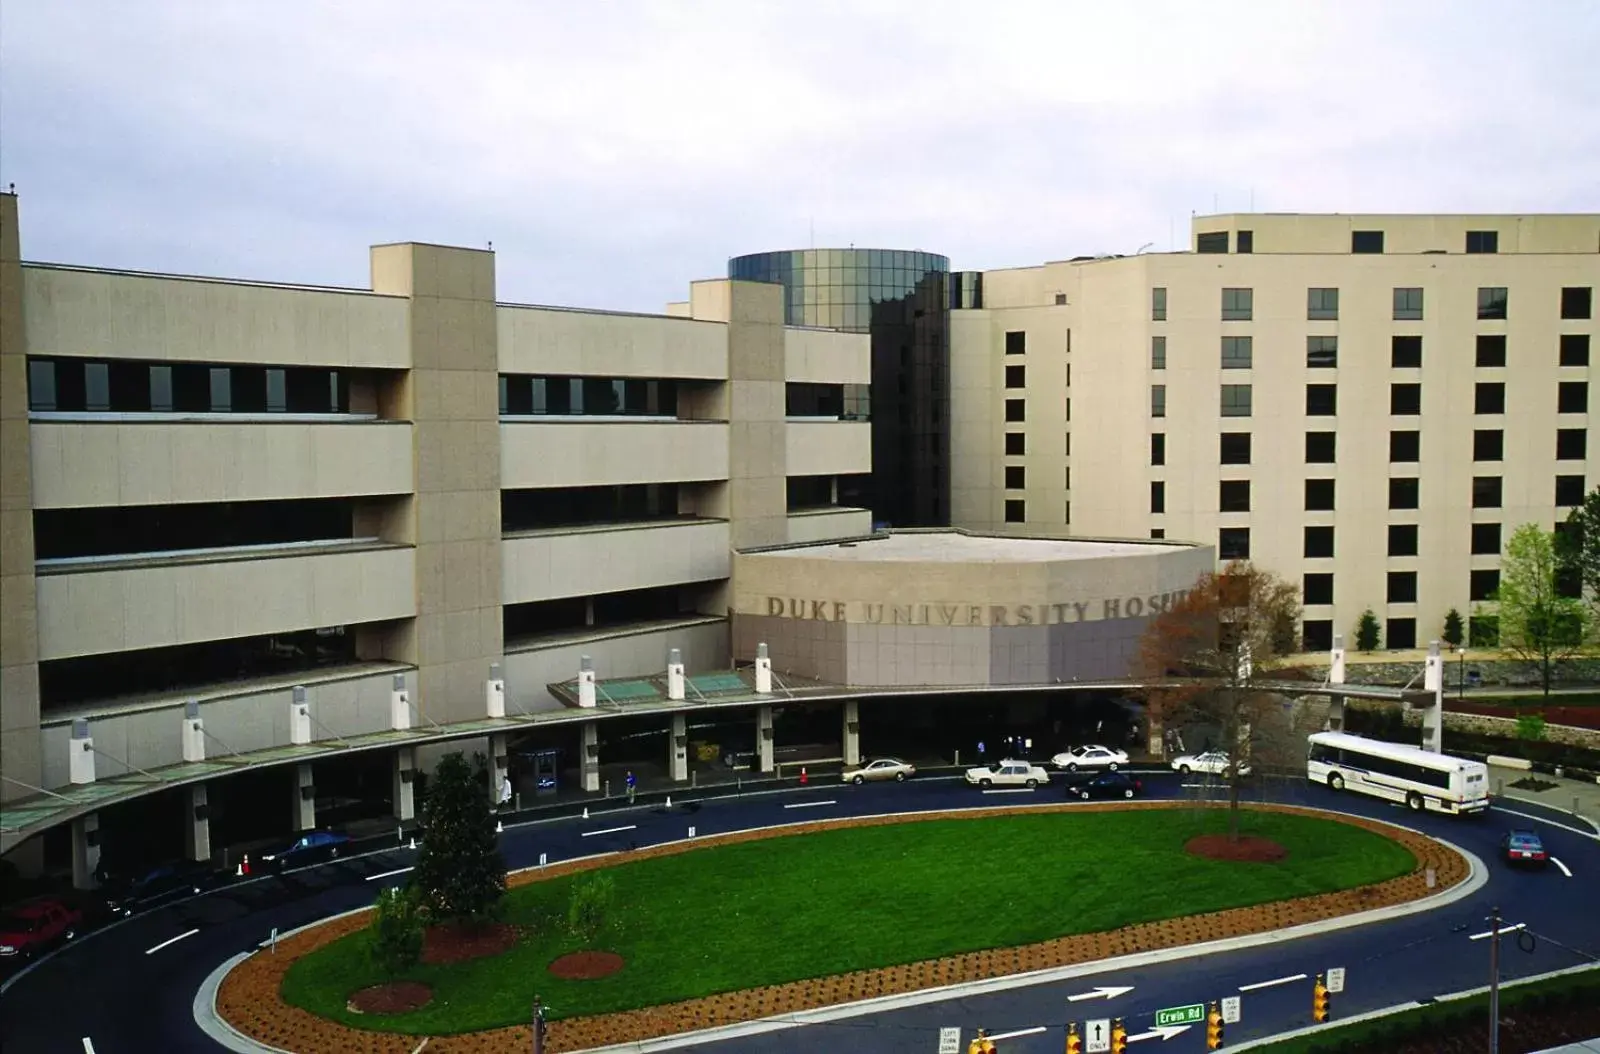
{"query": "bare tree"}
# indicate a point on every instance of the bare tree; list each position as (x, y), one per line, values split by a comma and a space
(1209, 653)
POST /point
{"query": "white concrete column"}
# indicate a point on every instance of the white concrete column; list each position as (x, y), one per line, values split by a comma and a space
(1336, 674)
(1156, 734)
(80, 760)
(678, 748)
(675, 675)
(305, 799)
(197, 831)
(589, 757)
(405, 790)
(586, 691)
(499, 764)
(852, 732)
(193, 732)
(299, 717)
(85, 850)
(399, 704)
(1433, 716)
(495, 692)
(763, 670)
(764, 736)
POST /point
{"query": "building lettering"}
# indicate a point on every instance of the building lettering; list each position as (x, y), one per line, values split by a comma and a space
(944, 613)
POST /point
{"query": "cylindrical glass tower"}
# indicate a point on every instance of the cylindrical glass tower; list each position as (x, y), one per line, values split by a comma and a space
(902, 299)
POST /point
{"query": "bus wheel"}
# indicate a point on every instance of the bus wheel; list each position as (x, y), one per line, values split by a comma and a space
(1414, 800)
(1335, 782)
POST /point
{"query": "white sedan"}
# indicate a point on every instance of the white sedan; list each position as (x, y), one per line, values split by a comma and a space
(1213, 762)
(1008, 774)
(1090, 757)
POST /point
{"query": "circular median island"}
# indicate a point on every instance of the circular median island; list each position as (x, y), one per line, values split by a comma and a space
(737, 927)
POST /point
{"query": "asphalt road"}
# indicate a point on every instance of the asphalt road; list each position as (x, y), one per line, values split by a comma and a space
(129, 988)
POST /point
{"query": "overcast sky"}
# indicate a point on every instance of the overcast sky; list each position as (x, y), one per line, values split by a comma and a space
(613, 151)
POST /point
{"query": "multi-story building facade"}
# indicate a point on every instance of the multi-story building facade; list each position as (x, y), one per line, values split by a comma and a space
(1366, 405)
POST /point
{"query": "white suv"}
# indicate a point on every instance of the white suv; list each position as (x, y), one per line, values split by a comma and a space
(1008, 774)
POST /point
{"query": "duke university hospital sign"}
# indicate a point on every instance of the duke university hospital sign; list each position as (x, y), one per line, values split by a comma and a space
(948, 613)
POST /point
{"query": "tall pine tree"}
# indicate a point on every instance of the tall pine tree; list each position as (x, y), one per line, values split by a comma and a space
(459, 871)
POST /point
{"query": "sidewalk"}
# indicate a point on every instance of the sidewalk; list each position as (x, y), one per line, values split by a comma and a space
(1553, 792)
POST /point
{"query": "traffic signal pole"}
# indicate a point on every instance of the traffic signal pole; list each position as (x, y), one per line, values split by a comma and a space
(1494, 981)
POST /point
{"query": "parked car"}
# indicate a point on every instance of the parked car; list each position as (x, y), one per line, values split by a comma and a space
(1524, 848)
(35, 926)
(1090, 757)
(1106, 785)
(1213, 762)
(1008, 774)
(880, 769)
(138, 889)
(313, 847)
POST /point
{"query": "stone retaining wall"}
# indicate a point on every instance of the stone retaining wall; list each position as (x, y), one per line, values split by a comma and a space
(1501, 727)
(1505, 673)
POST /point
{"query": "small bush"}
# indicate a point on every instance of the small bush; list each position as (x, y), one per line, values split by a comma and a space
(397, 926)
(1367, 631)
(1453, 633)
(589, 909)
(1530, 727)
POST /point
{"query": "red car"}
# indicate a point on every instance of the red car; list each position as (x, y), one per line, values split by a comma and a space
(37, 925)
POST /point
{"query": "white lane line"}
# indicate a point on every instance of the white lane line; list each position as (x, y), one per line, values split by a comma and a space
(1019, 1033)
(1009, 790)
(1273, 983)
(88, 1047)
(611, 830)
(1541, 819)
(1486, 934)
(174, 940)
(389, 874)
(1565, 870)
(808, 804)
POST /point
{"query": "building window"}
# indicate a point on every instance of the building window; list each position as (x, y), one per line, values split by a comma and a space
(1320, 447)
(221, 389)
(1158, 400)
(1486, 492)
(1233, 495)
(1572, 444)
(1402, 539)
(1016, 477)
(1405, 447)
(1577, 302)
(1485, 539)
(1316, 634)
(1405, 353)
(1158, 532)
(1485, 583)
(1574, 349)
(1158, 448)
(1233, 543)
(41, 385)
(1572, 397)
(1016, 510)
(1237, 305)
(1488, 444)
(1066, 512)
(1322, 305)
(1016, 342)
(1211, 242)
(1319, 495)
(1491, 350)
(1569, 491)
(1066, 478)
(1016, 376)
(1366, 241)
(1483, 241)
(1016, 444)
(1400, 634)
(1322, 400)
(1235, 400)
(1408, 304)
(1158, 353)
(1322, 353)
(1233, 448)
(1066, 443)
(1492, 302)
(1489, 397)
(1158, 497)
(1158, 304)
(1245, 242)
(1318, 543)
(1402, 587)
(1236, 353)
(1316, 588)
(1405, 400)
(1403, 491)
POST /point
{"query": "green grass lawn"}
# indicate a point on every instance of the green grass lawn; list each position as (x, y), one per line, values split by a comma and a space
(786, 909)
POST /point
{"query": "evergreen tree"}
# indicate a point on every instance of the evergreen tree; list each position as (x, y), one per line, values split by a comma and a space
(1367, 631)
(459, 871)
(1453, 631)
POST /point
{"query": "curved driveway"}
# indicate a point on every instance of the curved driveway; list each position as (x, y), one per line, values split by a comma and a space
(130, 988)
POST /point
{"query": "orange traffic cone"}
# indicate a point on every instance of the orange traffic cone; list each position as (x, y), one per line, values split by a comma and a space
(244, 865)
(804, 779)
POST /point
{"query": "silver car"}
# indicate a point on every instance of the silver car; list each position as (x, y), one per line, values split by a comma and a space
(881, 769)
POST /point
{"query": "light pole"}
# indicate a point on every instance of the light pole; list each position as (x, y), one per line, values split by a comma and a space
(1494, 981)
(1461, 680)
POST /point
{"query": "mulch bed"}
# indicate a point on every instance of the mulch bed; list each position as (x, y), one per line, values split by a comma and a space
(249, 998)
(1533, 783)
(396, 997)
(1243, 849)
(454, 943)
(587, 965)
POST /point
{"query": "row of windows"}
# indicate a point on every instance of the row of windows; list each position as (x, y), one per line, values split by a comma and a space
(1400, 587)
(524, 395)
(1404, 770)
(1322, 304)
(93, 386)
(1405, 447)
(1317, 543)
(1405, 352)
(1322, 400)
(1233, 495)
(1364, 242)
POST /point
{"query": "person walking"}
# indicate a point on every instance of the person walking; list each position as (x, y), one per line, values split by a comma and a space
(633, 784)
(505, 790)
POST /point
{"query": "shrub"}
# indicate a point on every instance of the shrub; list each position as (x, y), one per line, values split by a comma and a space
(1530, 727)
(397, 926)
(589, 909)
(1453, 634)
(1367, 631)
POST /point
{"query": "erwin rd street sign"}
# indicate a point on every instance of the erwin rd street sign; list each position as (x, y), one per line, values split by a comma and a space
(1192, 1014)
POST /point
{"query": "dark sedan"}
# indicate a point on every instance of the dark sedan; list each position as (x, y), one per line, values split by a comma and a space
(1524, 848)
(1107, 785)
(313, 847)
(144, 888)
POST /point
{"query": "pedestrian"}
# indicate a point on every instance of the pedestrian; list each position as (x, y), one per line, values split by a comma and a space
(633, 783)
(505, 790)
(980, 750)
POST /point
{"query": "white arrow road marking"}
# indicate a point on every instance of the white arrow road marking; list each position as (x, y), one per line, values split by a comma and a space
(1020, 1033)
(611, 830)
(1273, 983)
(1108, 992)
(1503, 929)
(1565, 870)
(389, 874)
(174, 940)
(1008, 790)
(1161, 1032)
(808, 804)
(88, 1048)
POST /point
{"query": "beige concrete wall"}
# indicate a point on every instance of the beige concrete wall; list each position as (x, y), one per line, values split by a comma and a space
(821, 525)
(91, 612)
(602, 344)
(101, 314)
(549, 565)
(1407, 234)
(154, 463)
(582, 454)
(828, 448)
(823, 356)
(623, 654)
(455, 404)
(19, 642)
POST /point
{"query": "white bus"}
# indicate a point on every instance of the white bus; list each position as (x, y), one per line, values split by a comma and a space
(1420, 778)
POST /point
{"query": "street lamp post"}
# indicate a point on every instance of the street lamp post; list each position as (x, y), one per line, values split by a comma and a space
(1461, 680)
